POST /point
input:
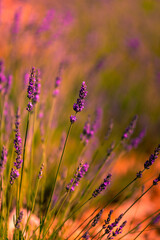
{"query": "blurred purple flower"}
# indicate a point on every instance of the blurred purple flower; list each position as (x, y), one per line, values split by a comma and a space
(46, 22)
(3, 159)
(133, 44)
(16, 23)
(130, 129)
(19, 220)
(81, 171)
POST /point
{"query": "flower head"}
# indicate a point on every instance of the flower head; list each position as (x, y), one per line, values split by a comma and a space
(19, 220)
(152, 158)
(81, 171)
(129, 130)
(103, 186)
(3, 159)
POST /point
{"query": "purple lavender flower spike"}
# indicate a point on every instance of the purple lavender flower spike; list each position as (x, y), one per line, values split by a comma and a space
(31, 86)
(152, 158)
(118, 231)
(58, 81)
(108, 219)
(16, 23)
(37, 87)
(79, 105)
(81, 171)
(156, 219)
(103, 186)
(19, 220)
(114, 224)
(73, 119)
(155, 181)
(18, 142)
(129, 130)
(13, 175)
(3, 159)
(86, 236)
(87, 133)
(97, 217)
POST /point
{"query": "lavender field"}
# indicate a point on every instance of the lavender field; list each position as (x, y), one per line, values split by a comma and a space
(79, 120)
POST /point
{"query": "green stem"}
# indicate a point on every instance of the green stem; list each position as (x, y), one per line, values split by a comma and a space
(143, 230)
(24, 149)
(52, 192)
(33, 204)
(69, 217)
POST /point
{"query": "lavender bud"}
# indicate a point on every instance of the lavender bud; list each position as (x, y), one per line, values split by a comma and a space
(13, 175)
(129, 130)
(3, 159)
(73, 119)
(19, 220)
(103, 186)
(152, 158)
(97, 217)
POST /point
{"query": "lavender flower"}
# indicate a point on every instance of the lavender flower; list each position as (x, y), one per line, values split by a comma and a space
(97, 217)
(108, 219)
(86, 236)
(155, 181)
(118, 231)
(87, 132)
(103, 186)
(18, 142)
(152, 158)
(13, 175)
(41, 171)
(73, 119)
(19, 220)
(81, 171)
(33, 89)
(31, 86)
(58, 81)
(129, 130)
(16, 23)
(37, 87)
(77, 107)
(114, 224)
(156, 219)
(3, 159)
(135, 141)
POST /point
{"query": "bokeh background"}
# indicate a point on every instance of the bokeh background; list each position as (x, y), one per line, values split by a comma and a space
(112, 45)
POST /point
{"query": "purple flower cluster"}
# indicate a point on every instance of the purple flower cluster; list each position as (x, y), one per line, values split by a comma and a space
(81, 171)
(135, 141)
(33, 89)
(152, 158)
(108, 219)
(155, 181)
(18, 149)
(58, 81)
(118, 231)
(156, 219)
(41, 171)
(114, 224)
(103, 186)
(13, 175)
(5, 81)
(129, 130)
(79, 105)
(19, 220)
(86, 236)
(3, 159)
(87, 133)
(97, 217)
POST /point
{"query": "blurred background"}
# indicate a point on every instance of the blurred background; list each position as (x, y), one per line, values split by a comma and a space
(114, 46)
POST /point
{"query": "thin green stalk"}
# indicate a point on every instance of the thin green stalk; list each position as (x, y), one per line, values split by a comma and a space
(56, 215)
(33, 204)
(52, 192)
(69, 217)
(143, 230)
(137, 199)
(82, 224)
(24, 149)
